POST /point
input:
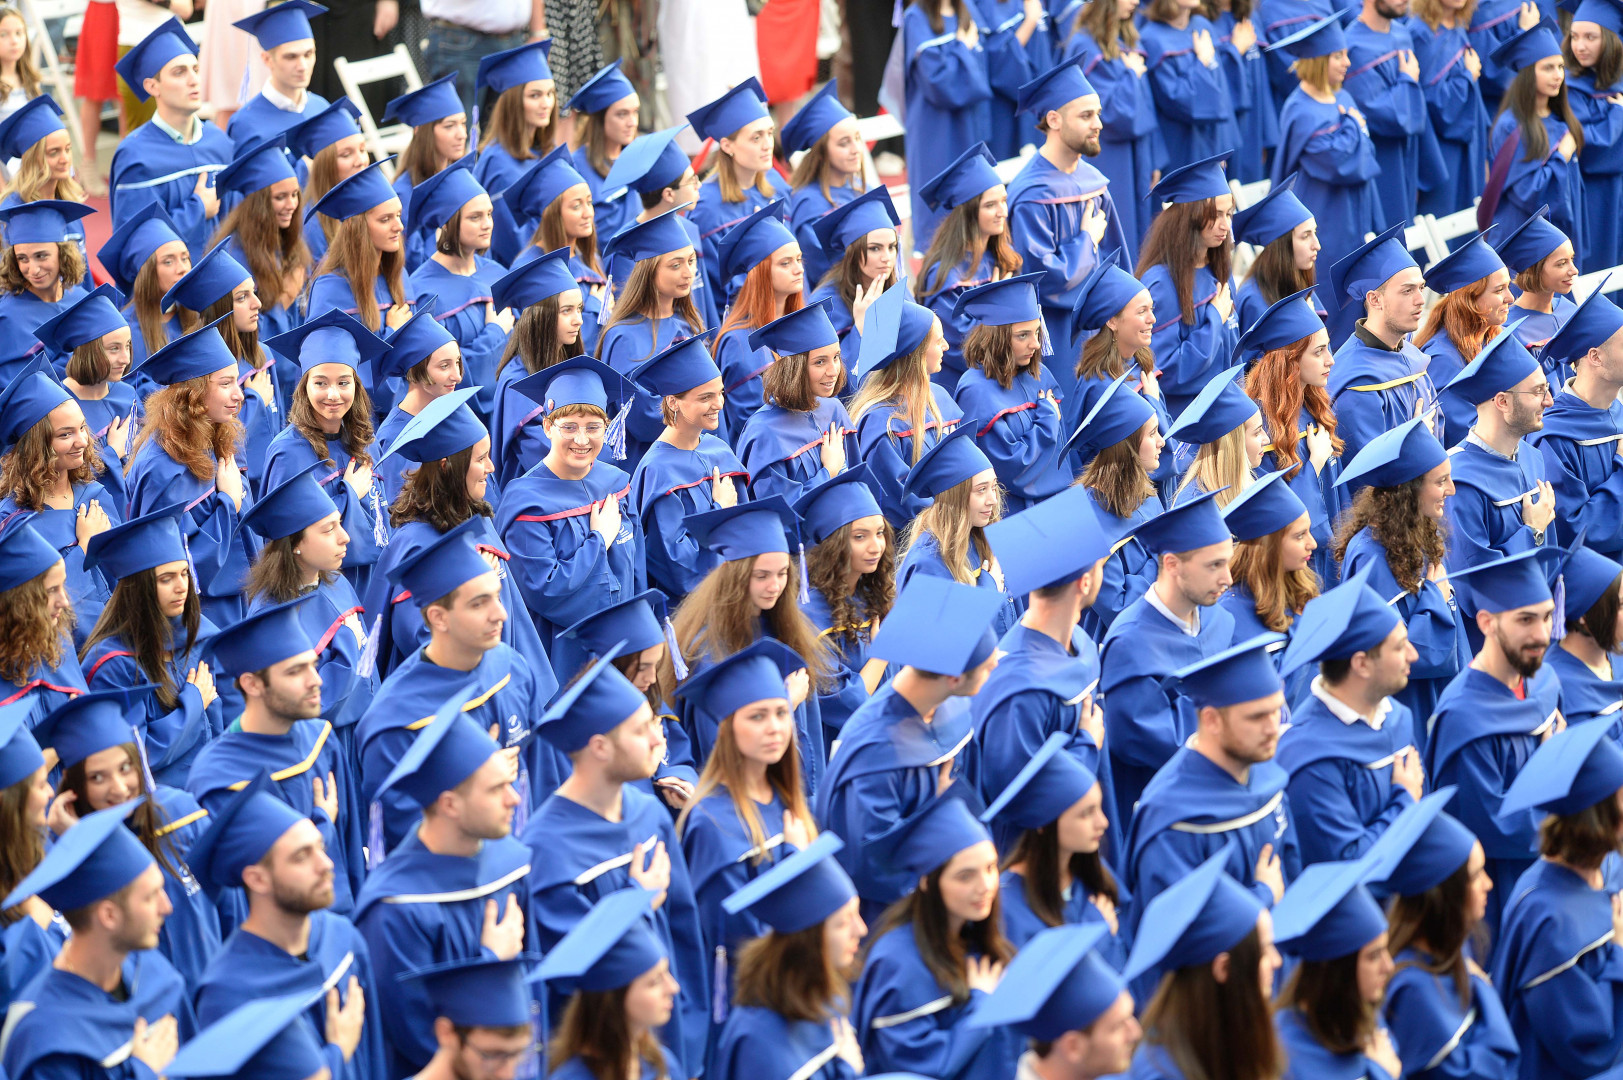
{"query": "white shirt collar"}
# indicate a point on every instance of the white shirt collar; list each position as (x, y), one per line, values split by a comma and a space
(282, 101)
(1155, 602)
(1344, 712)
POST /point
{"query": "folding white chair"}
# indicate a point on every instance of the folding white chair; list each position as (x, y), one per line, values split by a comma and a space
(1588, 283)
(1246, 194)
(1451, 226)
(55, 76)
(354, 74)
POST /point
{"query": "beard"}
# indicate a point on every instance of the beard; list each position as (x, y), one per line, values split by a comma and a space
(1391, 11)
(1085, 147)
(1524, 665)
(318, 897)
(1525, 419)
(290, 706)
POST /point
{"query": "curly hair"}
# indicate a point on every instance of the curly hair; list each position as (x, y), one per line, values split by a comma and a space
(1411, 539)
(132, 614)
(29, 472)
(1280, 394)
(31, 638)
(1117, 476)
(1279, 596)
(355, 433)
(436, 493)
(851, 614)
(1457, 315)
(70, 265)
(177, 419)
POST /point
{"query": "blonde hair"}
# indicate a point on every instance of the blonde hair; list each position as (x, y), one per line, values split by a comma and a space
(1221, 464)
(904, 384)
(947, 519)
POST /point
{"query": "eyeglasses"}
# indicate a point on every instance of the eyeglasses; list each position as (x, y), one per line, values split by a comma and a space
(496, 1058)
(569, 431)
(1543, 391)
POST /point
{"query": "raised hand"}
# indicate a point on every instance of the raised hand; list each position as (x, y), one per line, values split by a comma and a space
(228, 480)
(1094, 222)
(722, 490)
(656, 876)
(504, 936)
(344, 1021)
(1244, 36)
(118, 436)
(1319, 447)
(832, 451)
(983, 973)
(1409, 64)
(1538, 508)
(358, 476)
(1269, 873)
(604, 520)
(1473, 63)
(799, 684)
(1204, 52)
(866, 295)
(90, 520)
(1223, 302)
(326, 796)
(399, 315)
(1408, 773)
(154, 1045)
(202, 678)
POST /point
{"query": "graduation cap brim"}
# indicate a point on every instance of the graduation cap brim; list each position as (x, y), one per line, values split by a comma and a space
(1038, 969)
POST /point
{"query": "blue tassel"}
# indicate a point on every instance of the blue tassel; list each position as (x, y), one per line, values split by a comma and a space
(718, 987)
(1558, 624)
(369, 653)
(374, 836)
(896, 13)
(615, 436)
(805, 579)
(1048, 339)
(679, 666)
(521, 813)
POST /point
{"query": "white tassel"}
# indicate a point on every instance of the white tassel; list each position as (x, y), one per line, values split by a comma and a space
(615, 436)
(146, 763)
(380, 534)
(679, 666)
(805, 580)
(1558, 625)
(374, 836)
(191, 566)
(1048, 339)
(369, 653)
(896, 13)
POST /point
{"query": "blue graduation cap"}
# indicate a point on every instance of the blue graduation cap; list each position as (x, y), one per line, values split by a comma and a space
(333, 337)
(1053, 542)
(659, 235)
(1242, 672)
(1596, 321)
(632, 625)
(191, 356)
(1265, 507)
(938, 626)
(149, 56)
(1219, 408)
(296, 503)
(1049, 784)
(1054, 89)
(1201, 915)
(1396, 456)
(1587, 577)
(541, 182)
(798, 892)
(1348, 619)
(446, 564)
(929, 838)
(1421, 848)
(37, 118)
(743, 104)
(1001, 303)
(1274, 215)
(849, 222)
(91, 861)
(1604, 13)
(446, 426)
(579, 380)
(141, 543)
(970, 174)
(89, 318)
(321, 129)
(241, 833)
(953, 460)
(1571, 771)
(1531, 242)
(534, 281)
(652, 162)
(1195, 524)
(20, 755)
(31, 396)
(1203, 179)
(428, 104)
(287, 21)
(1287, 321)
(436, 199)
(752, 674)
(479, 991)
(93, 722)
(263, 639)
(611, 947)
(595, 704)
(1513, 581)
(1529, 46)
(134, 242)
(262, 1039)
(1061, 984)
(418, 338)
(24, 553)
(892, 328)
(212, 278)
(501, 71)
(745, 530)
(803, 330)
(446, 752)
(680, 368)
(1502, 363)
(1327, 912)
(602, 90)
(815, 119)
(1118, 413)
(1369, 267)
(1471, 261)
(1319, 38)
(830, 506)
(755, 239)
(43, 221)
(356, 193)
(1103, 294)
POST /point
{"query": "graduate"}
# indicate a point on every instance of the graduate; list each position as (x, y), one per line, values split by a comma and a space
(761, 270)
(1492, 24)
(425, 357)
(801, 437)
(829, 174)
(41, 275)
(687, 470)
(1020, 44)
(1475, 288)
(454, 889)
(576, 545)
(1395, 527)
(170, 164)
(937, 953)
(1545, 169)
(1272, 565)
(459, 595)
(1285, 234)
(35, 136)
(597, 835)
(483, 1011)
(523, 126)
(1379, 377)
(1451, 79)
(548, 330)
(1383, 77)
(150, 633)
(84, 1008)
(1116, 316)
(36, 615)
(558, 199)
(791, 981)
(272, 660)
(1350, 751)
(1062, 215)
(1194, 99)
(291, 939)
(32, 940)
(742, 181)
(1592, 84)
(1582, 422)
(1583, 657)
(948, 78)
(1221, 436)
(862, 242)
(1175, 623)
(332, 142)
(1256, 115)
(607, 105)
(439, 139)
(1545, 265)
(145, 257)
(894, 751)
(1496, 712)
(287, 48)
(91, 340)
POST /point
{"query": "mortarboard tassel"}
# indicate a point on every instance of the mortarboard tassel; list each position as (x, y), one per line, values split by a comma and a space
(1048, 339)
(521, 812)
(191, 566)
(679, 666)
(380, 533)
(374, 836)
(369, 652)
(805, 579)
(718, 987)
(896, 13)
(146, 763)
(1558, 625)
(615, 436)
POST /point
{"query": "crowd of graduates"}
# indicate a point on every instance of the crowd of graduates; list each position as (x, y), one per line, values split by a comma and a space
(518, 610)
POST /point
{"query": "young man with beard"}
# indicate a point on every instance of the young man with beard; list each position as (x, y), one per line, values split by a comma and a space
(1061, 215)
(273, 662)
(109, 1005)
(1496, 712)
(1384, 78)
(290, 941)
(481, 1009)
(454, 891)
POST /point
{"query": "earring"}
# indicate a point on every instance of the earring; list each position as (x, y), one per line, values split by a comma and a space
(296, 551)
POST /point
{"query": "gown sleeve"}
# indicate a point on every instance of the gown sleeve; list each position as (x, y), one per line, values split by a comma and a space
(1339, 155)
(1185, 353)
(920, 1045)
(950, 75)
(1598, 510)
(172, 733)
(1580, 1014)
(555, 579)
(1331, 827)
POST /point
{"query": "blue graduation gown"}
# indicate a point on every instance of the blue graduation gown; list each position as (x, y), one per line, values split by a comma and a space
(1146, 724)
(924, 557)
(1459, 121)
(1548, 181)
(47, 688)
(625, 345)
(756, 1042)
(140, 348)
(849, 657)
(460, 306)
(1601, 165)
(1394, 106)
(1585, 696)
(1579, 443)
(1341, 790)
(1492, 24)
(579, 857)
(418, 908)
(20, 315)
(261, 421)
(364, 519)
(1446, 362)
(1009, 64)
(1481, 736)
(563, 568)
(1485, 514)
(1534, 328)
(906, 1021)
(516, 439)
(783, 450)
(1309, 1059)
(345, 691)
(496, 170)
(1020, 433)
(1275, 19)
(577, 1069)
(1188, 354)
(1435, 1035)
(1241, 604)
(151, 167)
(274, 319)
(1021, 924)
(1129, 571)
(670, 483)
(806, 206)
(1127, 143)
(885, 444)
(190, 935)
(392, 473)
(839, 314)
(1319, 493)
(951, 282)
(511, 696)
(26, 949)
(248, 968)
(1374, 390)
(259, 115)
(1256, 117)
(89, 589)
(1193, 101)
(741, 370)
(949, 95)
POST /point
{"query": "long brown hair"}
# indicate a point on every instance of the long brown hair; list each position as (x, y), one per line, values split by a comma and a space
(1117, 477)
(904, 384)
(550, 236)
(352, 256)
(943, 952)
(1457, 316)
(509, 128)
(133, 616)
(1174, 241)
(1608, 65)
(242, 344)
(1213, 1030)
(640, 300)
(1325, 995)
(787, 383)
(89, 365)
(846, 273)
(594, 1029)
(592, 135)
(1275, 270)
(932, 12)
(436, 493)
(1392, 515)
(29, 471)
(272, 253)
(421, 158)
(793, 975)
(177, 418)
(958, 241)
(276, 572)
(724, 169)
(1037, 853)
(991, 349)
(1102, 359)
(31, 638)
(852, 614)
(1600, 621)
(1431, 13)
(70, 265)
(1275, 385)
(534, 339)
(1108, 32)
(146, 296)
(1437, 923)
(756, 304)
(724, 769)
(21, 844)
(963, 547)
(1521, 100)
(149, 820)
(1279, 596)
(354, 434)
(814, 168)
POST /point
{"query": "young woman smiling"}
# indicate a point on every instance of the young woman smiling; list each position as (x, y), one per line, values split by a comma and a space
(336, 150)
(551, 309)
(523, 125)
(862, 239)
(828, 175)
(1545, 264)
(558, 199)
(439, 137)
(801, 437)
(742, 181)
(95, 339)
(608, 107)
(35, 137)
(1475, 288)
(40, 275)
